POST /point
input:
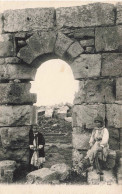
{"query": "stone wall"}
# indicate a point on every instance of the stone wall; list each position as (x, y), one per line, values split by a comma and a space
(89, 39)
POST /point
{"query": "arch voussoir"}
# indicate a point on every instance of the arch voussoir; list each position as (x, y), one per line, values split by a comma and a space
(40, 43)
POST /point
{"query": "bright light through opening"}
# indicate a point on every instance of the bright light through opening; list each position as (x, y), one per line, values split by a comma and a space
(54, 83)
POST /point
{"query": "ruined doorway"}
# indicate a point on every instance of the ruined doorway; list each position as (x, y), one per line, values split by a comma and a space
(56, 88)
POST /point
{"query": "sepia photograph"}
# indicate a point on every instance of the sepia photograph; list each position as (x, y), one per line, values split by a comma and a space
(61, 96)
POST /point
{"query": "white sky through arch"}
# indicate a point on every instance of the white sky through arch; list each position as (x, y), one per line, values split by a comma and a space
(54, 83)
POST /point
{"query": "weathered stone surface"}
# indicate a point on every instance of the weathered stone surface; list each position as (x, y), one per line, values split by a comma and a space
(1, 23)
(16, 115)
(74, 50)
(86, 66)
(111, 159)
(21, 72)
(85, 114)
(28, 19)
(62, 44)
(119, 13)
(44, 175)
(114, 138)
(68, 119)
(114, 115)
(119, 172)
(42, 42)
(14, 137)
(109, 177)
(84, 32)
(77, 157)
(49, 112)
(81, 140)
(16, 93)
(62, 112)
(6, 45)
(12, 60)
(27, 54)
(89, 49)
(89, 42)
(62, 169)
(112, 64)
(119, 89)
(7, 168)
(93, 178)
(21, 155)
(108, 38)
(58, 153)
(2, 61)
(95, 91)
(86, 15)
(38, 44)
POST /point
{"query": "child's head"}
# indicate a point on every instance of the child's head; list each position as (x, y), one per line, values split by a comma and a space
(35, 128)
(98, 121)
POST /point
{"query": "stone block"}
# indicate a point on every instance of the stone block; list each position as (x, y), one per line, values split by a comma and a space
(119, 89)
(58, 153)
(21, 156)
(96, 91)
(14, 137)
(93, 178)
(12, 60)
(83, 33)
(85, 114)
(119, 13)
(111, 159)
(109, 177)
(74, 50)
(88, 42)
(114, 115)
(28, 19)
(112, 64)
(2, 61)
(95, 14)
(114, 139)
(16, 93)
(16, 115)
(19, 71)
(6, 45)
(62, 169)
(86, 66)
(119, 172)
(1, 23)
(89, 49)
(38, 44)
(108, 38)
(7, 168)
(81, 140)
(77, 157)
(49, 112)
(44, 175)
(26, 54)
(62, 44)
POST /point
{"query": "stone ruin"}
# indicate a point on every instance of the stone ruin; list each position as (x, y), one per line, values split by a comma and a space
(89, 39)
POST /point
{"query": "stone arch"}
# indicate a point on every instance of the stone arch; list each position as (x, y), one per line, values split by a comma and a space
(82, 37)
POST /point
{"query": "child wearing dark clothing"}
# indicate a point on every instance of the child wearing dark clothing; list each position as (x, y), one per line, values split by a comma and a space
(36, 144)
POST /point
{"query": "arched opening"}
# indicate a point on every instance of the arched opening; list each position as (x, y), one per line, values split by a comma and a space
(55, 87)
(54, 83)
